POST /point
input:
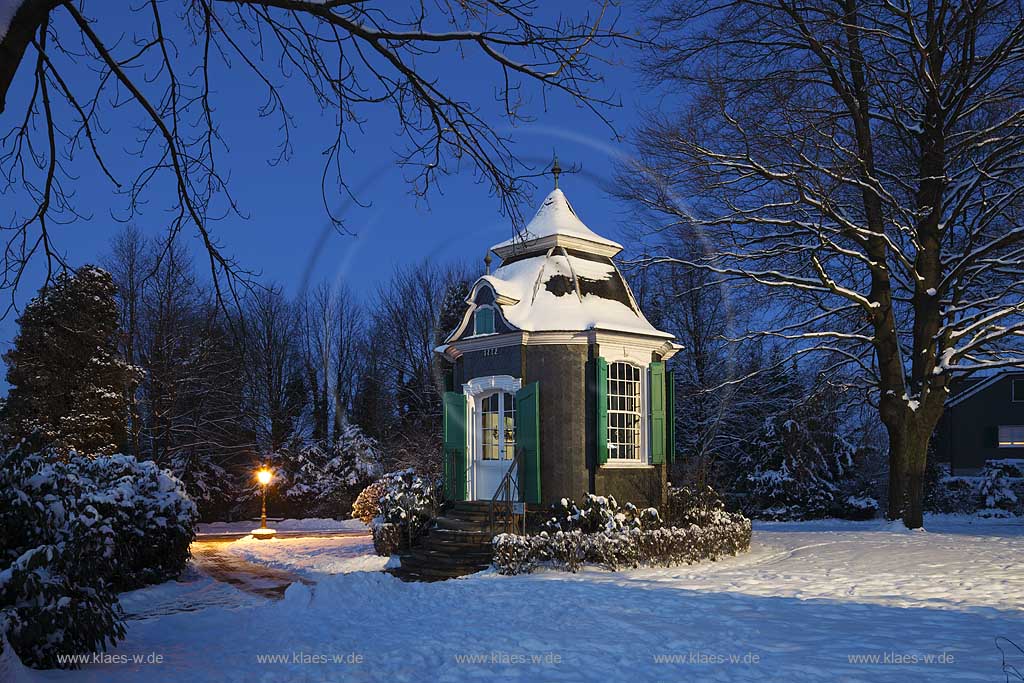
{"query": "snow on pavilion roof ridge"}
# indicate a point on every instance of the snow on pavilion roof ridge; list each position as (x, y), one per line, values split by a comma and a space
(536, 294)
(553, 219)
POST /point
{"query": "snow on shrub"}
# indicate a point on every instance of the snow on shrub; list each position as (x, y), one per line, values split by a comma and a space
(408, 503)
(324, 479)
(797, 466)
(660, 547)
(858, 507)
(56, 562)
(75, 532)
(152, 517)
(367, 504)
(602, 536)
(1011, 467)
(599, 513)
(408, 499)
(995, 492)
(696, 505)
(946, 494)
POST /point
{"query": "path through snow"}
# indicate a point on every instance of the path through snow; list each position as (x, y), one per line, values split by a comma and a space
(213, 559)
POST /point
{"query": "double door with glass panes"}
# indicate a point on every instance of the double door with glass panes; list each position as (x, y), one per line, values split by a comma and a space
(495, 447)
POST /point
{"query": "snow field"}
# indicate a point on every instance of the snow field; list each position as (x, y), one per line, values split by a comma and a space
(811, 601)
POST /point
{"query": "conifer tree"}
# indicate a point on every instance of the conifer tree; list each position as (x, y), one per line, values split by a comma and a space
(66, 376)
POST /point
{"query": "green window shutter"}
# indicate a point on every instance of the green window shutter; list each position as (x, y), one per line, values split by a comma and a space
(454, 446)
(670, 415)
(658, 428)
(602, 410)
(528, 440)
(483, 321)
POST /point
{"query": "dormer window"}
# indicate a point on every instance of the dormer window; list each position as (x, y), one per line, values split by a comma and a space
(483, 320)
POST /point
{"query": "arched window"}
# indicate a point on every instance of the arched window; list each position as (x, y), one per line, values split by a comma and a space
(624, 411)
(483, 320)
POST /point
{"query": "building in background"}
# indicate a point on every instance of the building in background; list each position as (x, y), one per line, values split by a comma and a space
(984, 420)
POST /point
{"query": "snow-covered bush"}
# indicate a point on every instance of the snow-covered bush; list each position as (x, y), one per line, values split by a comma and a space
(693, 505)
(316, 479)
(75, 532)
(604, 539)
(56, 562)
(856, 507)
(795, 467)
(514, 554)
(1011, 467)
(599, 513)
(213, 489)
(408, 499)
(662, 547)
(152, 517)
(995, 492)
(946, 494)
(407, 504)
(387, 539)
(367, 505)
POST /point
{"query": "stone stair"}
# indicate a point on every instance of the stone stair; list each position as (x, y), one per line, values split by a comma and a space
(458, 543)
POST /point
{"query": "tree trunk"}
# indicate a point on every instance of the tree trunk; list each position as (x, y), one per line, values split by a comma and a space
(908, 458)
(915, 460)
(897, 495)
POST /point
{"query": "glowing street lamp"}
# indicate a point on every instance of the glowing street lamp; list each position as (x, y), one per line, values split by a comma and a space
(264, 476)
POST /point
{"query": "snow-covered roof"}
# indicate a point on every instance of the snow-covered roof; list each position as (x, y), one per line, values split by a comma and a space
(568, 292)
(977, 384)
(561, 279)
(556, 223)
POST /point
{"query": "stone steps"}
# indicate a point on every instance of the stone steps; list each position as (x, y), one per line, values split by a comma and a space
(458, 543)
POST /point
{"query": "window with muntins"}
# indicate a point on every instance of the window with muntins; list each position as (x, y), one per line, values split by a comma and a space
(1011, 436)
(624, 406)
(498, 426)
(483, 321)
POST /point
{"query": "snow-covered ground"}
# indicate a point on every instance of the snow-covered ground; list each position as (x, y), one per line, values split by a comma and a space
(309, 525)
(311, 556)
(810, 602)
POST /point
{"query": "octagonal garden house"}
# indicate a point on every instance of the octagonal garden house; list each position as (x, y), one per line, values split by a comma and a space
(556, 373)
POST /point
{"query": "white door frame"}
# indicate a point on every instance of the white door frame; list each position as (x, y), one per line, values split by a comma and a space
(474, 390)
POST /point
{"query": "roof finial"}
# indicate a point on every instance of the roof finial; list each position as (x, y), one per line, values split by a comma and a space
(487, 262)
(556, 169)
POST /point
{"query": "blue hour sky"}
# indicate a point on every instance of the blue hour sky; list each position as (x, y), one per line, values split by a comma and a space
(287, 237)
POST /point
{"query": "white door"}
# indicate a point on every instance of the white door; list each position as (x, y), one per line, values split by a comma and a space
(495, 442)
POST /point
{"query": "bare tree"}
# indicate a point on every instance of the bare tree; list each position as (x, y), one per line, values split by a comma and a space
(350, 57)
(331, 329)
(168, 342)
(412, 314)
(350, 322)
(129, 264)
(275, 385)
(860, 160)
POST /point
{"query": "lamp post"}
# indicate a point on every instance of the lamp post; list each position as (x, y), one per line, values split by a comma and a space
(263, 476)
